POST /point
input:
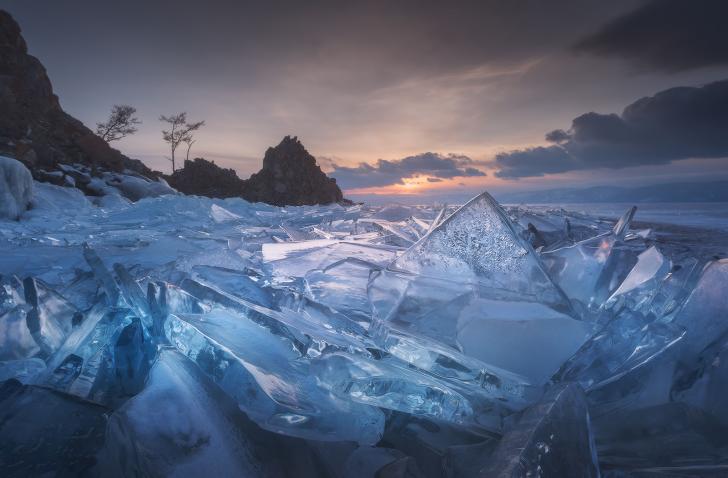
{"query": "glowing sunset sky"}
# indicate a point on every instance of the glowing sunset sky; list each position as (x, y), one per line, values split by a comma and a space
(406, 97)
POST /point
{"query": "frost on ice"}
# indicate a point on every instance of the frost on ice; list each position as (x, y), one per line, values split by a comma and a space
(182, 335)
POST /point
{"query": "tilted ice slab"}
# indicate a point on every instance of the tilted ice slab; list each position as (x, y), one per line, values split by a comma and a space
(478, 244)
(585, 271)
(288, 261)
(268, 379)
(651, 268)
(553, 438)
(477, 288)
(178, 426)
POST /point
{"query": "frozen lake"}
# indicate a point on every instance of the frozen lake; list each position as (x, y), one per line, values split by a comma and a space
(703, 215)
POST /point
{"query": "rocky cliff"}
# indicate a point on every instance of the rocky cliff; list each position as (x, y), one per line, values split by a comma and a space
(290, 176)
(33, 127)
(58, 148)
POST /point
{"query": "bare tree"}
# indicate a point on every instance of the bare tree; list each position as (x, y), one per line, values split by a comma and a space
(121, 123)
(190, 137)
(179, 132)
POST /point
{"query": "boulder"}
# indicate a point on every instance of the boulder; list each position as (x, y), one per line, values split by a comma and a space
(204, 178)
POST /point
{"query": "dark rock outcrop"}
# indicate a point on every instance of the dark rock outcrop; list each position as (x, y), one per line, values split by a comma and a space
(205, 178)
(290, 176)
(33, 127)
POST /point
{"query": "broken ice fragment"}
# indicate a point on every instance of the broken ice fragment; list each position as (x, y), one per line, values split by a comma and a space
(512, 391)
(493, 334)
(673, 290)
(703, 382)
(325, 326)
(220, 214)
(254, 312)
(585, 271)
(102, 274)
(84, 366)
(298, 265)
(384, 384)
(50, 318)
(626, 342)
(23, 370)
(651, 268)
(296, 234)
(261, 372)
(552, 438)
(133, 353)
(479, 244)
(625, 221)
(704, 312)
(526, 338)
(343, 286)
(133, 294)
(16, 341)
(233, 282)
(179, 425)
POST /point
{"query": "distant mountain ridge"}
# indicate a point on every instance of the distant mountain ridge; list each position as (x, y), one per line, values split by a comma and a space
(713, 191)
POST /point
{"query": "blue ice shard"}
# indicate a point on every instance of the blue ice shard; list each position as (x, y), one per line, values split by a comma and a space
(552, 438)
(476, 288)
(265, 375)
(586, 270)
(17, 342)
(392, 385)
(179, 425)
(478, 244)
(705, 307)
(50, 318)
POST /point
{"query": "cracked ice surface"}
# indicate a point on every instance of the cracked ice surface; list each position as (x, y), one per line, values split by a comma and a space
(192, 334)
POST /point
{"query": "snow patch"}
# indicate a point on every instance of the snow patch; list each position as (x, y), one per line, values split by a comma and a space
(16, 188)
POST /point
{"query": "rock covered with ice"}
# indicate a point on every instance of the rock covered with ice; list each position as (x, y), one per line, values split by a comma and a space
(16, 188)
(193, 335)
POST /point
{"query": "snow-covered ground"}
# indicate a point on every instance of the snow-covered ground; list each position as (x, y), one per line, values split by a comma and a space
(465, 338)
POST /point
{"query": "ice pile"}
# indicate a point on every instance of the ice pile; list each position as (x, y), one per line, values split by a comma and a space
(182, 335)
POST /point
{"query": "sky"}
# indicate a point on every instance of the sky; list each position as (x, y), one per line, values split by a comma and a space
(407, 99)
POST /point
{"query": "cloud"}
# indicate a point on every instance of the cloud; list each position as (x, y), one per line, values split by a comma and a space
(669, 35)
(675, 124)
(387, 173)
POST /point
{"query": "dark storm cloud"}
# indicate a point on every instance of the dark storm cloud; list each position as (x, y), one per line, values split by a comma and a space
(679, 123)
(670, 35)
(367, 43)
(387, 173)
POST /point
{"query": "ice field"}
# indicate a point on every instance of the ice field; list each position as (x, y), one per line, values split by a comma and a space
(181, 336)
